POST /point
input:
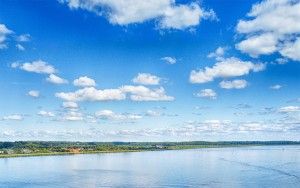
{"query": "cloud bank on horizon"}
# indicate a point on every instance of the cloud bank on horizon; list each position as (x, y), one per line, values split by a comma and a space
(150, 70)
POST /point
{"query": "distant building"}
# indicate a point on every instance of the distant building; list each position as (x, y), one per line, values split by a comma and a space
(26, 151)
(9, 151)
(159, 146)
(74, 150)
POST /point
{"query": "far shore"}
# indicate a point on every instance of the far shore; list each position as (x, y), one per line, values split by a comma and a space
(42, 148)
(99, 152)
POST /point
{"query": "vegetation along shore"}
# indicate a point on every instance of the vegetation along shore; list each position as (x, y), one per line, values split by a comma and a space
(41, 148)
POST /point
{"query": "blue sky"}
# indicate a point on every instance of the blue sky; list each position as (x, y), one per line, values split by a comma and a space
(150, 71)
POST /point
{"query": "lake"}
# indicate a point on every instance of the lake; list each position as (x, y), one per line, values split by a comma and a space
(259, 166)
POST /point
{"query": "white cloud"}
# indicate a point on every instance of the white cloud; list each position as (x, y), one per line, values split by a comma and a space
(210, 129)
(92, 94)
(276, 87)
(91, 119)
(23, 38)
(20, 47)
(169, 60)
(281, 61)
(218, 53)
(261, 44)
(110, 115)
(288, 109)
(152, 113)
(292, 49)
(37, 66)
(272, 26)
(70, 104)
(142, 93)
(56, 80)
(123, 12)
(234, 84)
(46, 114)
(286, 13)
(226, 68)
(136, 93)
(15, 65)
(84, 81)
(34, 93)
(248, 127)
(16, 117)
(207, 93)
(73, 116)
(4, 32)
(146, 79)
(183, 16)
(167, 13)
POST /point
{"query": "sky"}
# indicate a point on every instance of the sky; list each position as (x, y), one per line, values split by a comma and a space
(156, 70)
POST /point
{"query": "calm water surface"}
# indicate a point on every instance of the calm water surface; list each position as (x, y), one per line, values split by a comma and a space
(271, 166)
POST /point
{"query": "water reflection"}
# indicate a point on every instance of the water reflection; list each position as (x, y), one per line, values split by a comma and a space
(272, 166)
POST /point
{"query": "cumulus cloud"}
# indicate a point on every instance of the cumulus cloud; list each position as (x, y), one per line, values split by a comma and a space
(135, 93)
(167, 13)
(288, 109)
(73, 116)
(34, 93)
(146, 79)
(281, 61)
(70, 105)
(292, 49)
(23, 38)
(4, 32)
(169, 60)
(184, 16)
(207, 93)
(272, 26)
(92, 94)
(234, 84)
(276, 87)
(45, 114)
(226, 68)
(218, 53)
(261, 44)
(152, 113)
(37, 66)
(142, 93)
(110, 115)
(20, 47)
(84, 81)
(16, 117)
(56, 79)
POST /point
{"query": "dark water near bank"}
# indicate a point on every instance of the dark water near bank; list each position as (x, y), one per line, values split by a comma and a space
(264, 166)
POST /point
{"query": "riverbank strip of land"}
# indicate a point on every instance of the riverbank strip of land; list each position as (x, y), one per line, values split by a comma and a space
(45, 148)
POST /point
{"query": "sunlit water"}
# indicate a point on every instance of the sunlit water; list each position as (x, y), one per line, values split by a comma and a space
(271, 166)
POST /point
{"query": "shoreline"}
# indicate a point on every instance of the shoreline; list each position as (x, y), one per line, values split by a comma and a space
(64, 153)
(3, 156)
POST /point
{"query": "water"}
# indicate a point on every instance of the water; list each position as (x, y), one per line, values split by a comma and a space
(266, 166)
